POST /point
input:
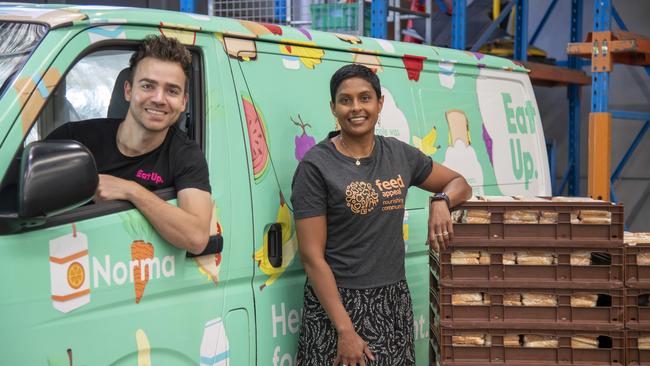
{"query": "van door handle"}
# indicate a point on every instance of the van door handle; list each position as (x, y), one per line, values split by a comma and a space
(274, 244)
(215, 246)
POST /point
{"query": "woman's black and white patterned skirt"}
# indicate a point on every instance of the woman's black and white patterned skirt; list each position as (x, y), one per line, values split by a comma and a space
(382, 316)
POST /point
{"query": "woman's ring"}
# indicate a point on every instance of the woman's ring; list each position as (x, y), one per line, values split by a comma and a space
(445, 234)
(438, 234)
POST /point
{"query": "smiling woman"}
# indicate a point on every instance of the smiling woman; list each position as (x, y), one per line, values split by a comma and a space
(349, 195)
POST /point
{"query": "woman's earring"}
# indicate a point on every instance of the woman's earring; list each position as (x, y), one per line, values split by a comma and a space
(379, 120)
(337, 125)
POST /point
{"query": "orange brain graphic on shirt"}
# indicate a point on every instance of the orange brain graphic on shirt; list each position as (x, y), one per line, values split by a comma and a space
(361, 197)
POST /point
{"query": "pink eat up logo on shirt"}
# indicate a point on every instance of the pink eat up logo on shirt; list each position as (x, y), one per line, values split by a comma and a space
(152, 177)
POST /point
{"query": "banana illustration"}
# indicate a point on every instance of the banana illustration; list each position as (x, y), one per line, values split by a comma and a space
(427, 143)
(144, 349)
(289, 246)
(308, 54)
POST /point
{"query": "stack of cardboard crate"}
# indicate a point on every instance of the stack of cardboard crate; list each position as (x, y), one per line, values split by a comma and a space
(637, 298)
(530, 281)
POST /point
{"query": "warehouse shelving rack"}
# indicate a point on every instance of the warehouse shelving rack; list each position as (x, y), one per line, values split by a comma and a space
(606, 48)
(541, 74)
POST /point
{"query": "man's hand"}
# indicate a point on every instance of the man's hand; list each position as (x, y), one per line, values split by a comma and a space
(113, 188)
(441, 230)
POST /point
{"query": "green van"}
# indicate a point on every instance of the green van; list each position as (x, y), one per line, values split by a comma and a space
(96, 285)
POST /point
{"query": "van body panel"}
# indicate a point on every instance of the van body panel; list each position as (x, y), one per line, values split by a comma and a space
(113, 277)
(265, 93)
(23, 96)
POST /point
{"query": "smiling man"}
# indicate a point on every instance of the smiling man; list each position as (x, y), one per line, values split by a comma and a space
(146, 151)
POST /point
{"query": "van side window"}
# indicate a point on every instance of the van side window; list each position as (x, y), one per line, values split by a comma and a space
(85, 92)
(94, 88)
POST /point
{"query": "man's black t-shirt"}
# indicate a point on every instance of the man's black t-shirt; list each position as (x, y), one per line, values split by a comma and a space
(177, 162)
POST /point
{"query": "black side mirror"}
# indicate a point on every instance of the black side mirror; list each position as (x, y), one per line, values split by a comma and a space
(55, 176)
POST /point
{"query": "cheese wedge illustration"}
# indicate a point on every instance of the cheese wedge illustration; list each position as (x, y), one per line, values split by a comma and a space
(348, 38)
(368, 60)
(184, 36)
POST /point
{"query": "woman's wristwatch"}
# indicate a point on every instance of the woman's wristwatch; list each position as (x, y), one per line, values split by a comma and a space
(440, 197)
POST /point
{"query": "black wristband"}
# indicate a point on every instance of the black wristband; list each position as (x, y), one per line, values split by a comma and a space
(440, 197)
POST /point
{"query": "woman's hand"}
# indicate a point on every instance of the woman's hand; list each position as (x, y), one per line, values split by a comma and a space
(351, 350)
(441, 231)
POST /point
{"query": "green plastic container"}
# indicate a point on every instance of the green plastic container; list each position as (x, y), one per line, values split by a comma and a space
(338, 18)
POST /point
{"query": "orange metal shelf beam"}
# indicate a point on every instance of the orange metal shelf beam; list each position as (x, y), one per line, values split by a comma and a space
(624, 47)
(550, 75)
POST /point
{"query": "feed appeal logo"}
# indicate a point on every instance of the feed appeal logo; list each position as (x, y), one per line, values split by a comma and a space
(70, 271)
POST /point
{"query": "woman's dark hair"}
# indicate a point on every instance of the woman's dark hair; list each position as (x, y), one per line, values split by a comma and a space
(354, 71)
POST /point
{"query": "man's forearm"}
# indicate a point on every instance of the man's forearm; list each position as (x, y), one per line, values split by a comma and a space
(180, 228)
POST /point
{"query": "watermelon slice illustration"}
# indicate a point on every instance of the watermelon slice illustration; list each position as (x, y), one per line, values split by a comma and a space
(256, 139)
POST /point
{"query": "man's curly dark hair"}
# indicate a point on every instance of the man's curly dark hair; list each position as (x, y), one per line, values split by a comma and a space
(165, 49)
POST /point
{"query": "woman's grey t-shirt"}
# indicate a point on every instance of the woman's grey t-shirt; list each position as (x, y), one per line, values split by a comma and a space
(364, 206)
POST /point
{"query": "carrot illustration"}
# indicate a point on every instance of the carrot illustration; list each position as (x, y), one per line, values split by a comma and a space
(139, 252)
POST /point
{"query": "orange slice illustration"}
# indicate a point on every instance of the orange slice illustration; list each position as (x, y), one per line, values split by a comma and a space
(76, 275)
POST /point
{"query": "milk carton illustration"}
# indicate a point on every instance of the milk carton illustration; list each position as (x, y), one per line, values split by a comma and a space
(392, 122)
(447, 75)
(214, 345)
(69, 271)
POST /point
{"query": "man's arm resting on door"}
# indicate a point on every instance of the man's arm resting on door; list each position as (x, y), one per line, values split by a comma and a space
(186, 226)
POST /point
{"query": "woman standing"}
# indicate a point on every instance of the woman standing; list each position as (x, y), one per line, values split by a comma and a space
(348, 198)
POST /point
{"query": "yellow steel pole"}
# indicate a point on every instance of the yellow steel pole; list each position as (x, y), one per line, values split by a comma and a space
(496, 9)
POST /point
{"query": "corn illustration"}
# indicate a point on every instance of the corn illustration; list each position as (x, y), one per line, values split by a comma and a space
(144, 349)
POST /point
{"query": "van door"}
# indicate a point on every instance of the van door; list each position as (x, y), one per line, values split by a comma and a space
(489, 126)
(98, 285)
(285, 97)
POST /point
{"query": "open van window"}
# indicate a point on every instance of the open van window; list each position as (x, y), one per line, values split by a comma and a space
(17, 41)
(85, 92)
(93, 88)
